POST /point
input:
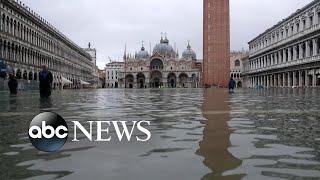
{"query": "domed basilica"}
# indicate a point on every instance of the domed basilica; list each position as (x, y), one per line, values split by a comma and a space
(162, 68)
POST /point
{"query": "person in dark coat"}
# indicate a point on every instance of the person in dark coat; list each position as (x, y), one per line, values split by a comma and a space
(13, 84)
(232, 85)
(45, 79)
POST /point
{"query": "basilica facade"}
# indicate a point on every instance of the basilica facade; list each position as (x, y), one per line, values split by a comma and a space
(161, 68)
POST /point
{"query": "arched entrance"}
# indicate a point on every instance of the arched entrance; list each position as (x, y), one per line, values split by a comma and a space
(115, 85)
(18, 74)
(183, 80)
(129, 81)
(155, 79)
(141, 79)
(239, 84)
(25, 75)
(30, 76)
(194, 81)
(172, 80)
(156, 64)
(35, 76)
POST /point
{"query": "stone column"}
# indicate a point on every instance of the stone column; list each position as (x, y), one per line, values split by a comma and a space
(289, 80)
(300, 51)
(307, 49)
(265, 63)
(272, 80)
(283, 80)
(289, 53)
(315, 47)
(252, 81)
(268, 81)
(300, 79)
(284, 55)
(279, 57)
(295, 52)
(294, 76)
(275, 82)
(307, 78)
(314, 79)
(279, 80)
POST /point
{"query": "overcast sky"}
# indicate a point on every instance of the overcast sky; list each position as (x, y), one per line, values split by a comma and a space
(109, 25)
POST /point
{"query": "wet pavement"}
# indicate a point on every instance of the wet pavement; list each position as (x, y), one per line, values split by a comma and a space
(196, 134)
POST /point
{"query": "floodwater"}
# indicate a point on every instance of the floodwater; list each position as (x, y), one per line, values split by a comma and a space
(196, 134)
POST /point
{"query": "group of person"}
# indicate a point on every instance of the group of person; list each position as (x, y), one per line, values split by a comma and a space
(45, 82)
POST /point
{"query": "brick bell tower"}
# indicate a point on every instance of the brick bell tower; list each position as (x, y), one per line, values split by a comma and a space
(216, 43)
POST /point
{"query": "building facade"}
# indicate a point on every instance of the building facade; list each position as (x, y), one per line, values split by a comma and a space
(236, 66)
(288, 54)
(95, 81)
(27, 41)
(162, 68)
(216, 43)
(113, 70)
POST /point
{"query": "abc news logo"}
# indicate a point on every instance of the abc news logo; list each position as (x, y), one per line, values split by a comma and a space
(49, 132)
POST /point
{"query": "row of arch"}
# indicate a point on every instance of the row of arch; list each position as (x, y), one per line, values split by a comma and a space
(58, 83)
(17, 53)
(27, 43)
(156, 80)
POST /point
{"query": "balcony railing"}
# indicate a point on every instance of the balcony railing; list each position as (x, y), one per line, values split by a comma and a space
(310, 59)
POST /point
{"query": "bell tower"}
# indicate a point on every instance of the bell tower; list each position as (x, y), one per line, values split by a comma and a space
(216, 43)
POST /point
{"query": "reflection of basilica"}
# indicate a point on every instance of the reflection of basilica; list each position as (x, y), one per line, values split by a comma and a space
(163, 68)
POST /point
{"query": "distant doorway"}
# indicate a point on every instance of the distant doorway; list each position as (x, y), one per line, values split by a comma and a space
(141, 80)
(172, 80)
(155, 80)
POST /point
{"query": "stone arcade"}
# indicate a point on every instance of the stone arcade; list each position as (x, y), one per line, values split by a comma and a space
(27, 41)
(288, 54)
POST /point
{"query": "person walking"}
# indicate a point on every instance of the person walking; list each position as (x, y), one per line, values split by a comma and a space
(12, 84)
(232, 85)
(46, 79)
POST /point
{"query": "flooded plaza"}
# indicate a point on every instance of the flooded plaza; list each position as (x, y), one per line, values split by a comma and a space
(196, 134)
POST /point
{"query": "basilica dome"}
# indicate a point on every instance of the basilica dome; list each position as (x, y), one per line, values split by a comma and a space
(189, 53)
(164, 49)
(143, 54)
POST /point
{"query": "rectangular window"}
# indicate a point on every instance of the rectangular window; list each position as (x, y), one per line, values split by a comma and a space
(318, 17)
(311, 21)
(298, 27)
(304, 24)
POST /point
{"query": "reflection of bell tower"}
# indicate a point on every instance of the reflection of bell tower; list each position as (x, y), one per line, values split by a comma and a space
(216, 42)
(216, 134)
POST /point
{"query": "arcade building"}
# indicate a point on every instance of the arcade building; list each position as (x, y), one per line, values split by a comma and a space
(163, 68)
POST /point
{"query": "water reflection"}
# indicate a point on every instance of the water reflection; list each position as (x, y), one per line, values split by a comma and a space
(196, 134)
(275, 133)
(176, 130)
(215, 143)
